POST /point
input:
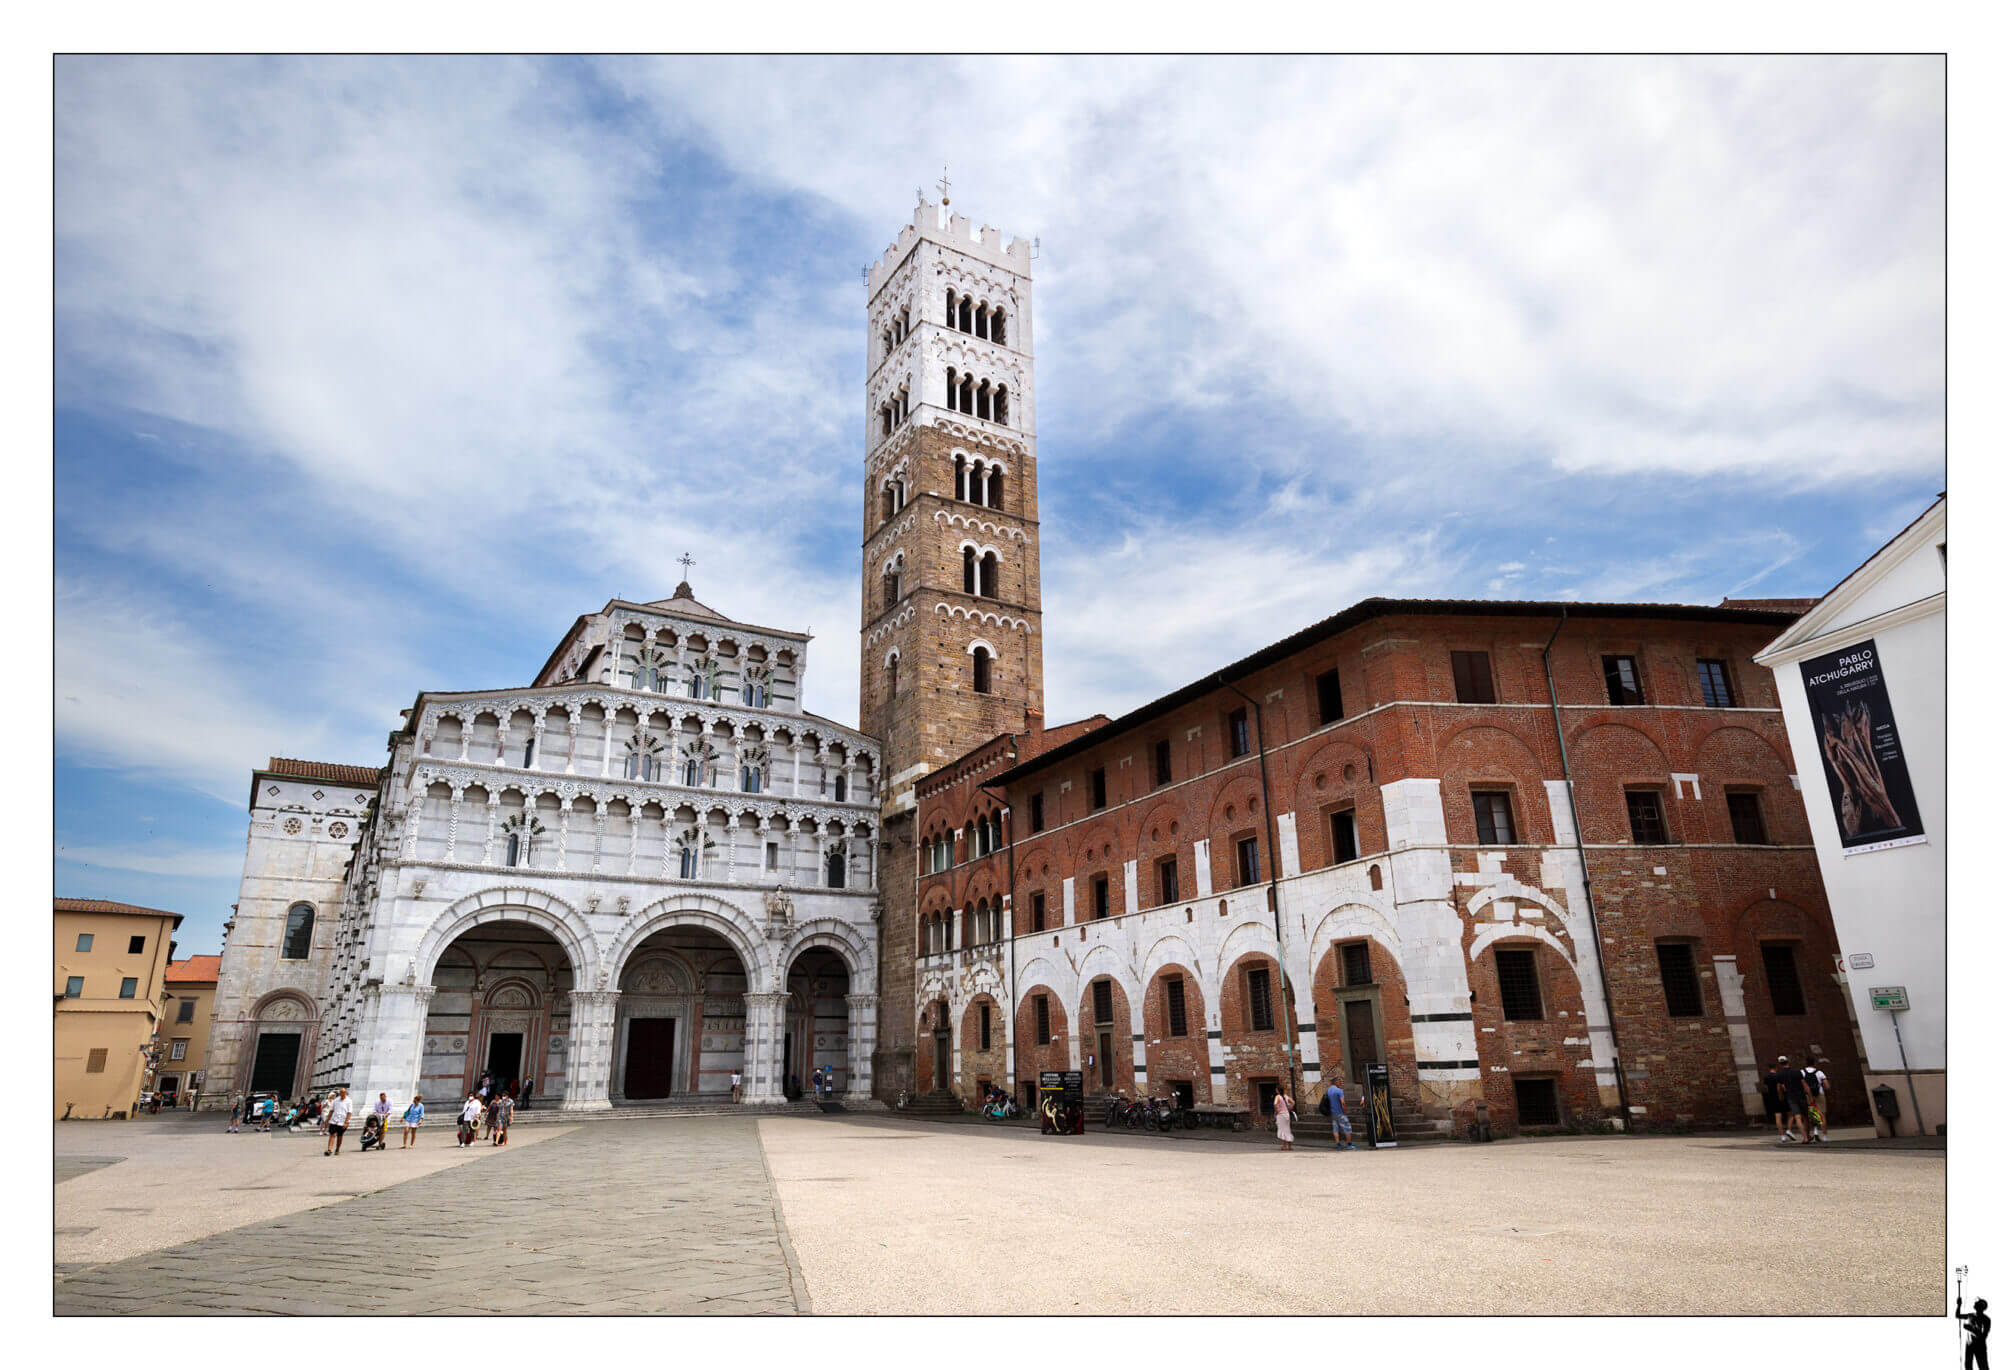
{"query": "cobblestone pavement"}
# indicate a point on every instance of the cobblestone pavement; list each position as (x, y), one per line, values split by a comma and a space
(665, 1216)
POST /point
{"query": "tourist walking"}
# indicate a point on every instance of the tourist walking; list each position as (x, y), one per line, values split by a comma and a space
(1792, 1086)
(1816, 1069)
(735, 1086)
(336, 1116)
(501, 1114)
(1334, 1106)
(1774, 1099)
(1281, 1105)
(413, 1118)
(236, 1116)
(468, 1120)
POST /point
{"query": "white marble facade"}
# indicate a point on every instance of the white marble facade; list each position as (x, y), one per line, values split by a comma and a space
(642, 873)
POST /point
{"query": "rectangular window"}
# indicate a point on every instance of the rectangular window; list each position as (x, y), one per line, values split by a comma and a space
(1163, 762)
(1535, 1103)
(1472, 677)
(1098, 795)
(771, 855)
(1621, 680)
(186, 1011)
(1246, 861)
(1041, 1020)
(128, 988)
(137, 945)
(1493, 815)
(1170, 880)
(1715, 689)
(1354, 967)
(1176, 1007)
(1038, 910)
(1259, 987)
(1100, 896)
(1781, 973)
(1678, 979)
(986, 1027)
(1327, 685)
(1035, 812)
(180, 1050)
(1647, 809)
(84, 940)
(1520, 988)
(1100, 1002)
(1746, 819)
(74, 989)
(1346, 845)
(1239, 733)
(95, 1065)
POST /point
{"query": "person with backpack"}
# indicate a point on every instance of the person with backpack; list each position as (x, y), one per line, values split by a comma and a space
(468, 1120)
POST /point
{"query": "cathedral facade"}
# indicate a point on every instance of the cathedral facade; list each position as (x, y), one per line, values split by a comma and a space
(644, 872)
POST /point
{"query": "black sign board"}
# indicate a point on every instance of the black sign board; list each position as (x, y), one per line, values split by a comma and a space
(1060, 1101)
(1381, 1121)
(1861, 750)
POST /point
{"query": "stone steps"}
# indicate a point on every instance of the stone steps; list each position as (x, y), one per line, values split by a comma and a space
(665, 1108)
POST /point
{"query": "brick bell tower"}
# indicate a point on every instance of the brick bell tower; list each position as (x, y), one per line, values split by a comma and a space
(951, 617)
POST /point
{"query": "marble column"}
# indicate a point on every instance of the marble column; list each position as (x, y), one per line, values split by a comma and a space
(389, 1046)
(861, 1011)
(764, 1048)
(593, 1014)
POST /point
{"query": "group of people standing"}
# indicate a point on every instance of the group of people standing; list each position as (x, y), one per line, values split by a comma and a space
(1795, 1098)
(494, 1105)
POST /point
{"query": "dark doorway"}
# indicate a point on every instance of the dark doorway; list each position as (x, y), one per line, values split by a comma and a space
(1104, 1059)
(503, 1058)
(1535, 1103)
(277, 1065)
(941, 1047)
(649, 1058)
(1358, 1017)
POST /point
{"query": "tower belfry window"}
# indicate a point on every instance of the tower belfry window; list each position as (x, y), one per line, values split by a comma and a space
(971, 572)
(982, 671)
(997, 325)
(1000, 405)
(989, 575)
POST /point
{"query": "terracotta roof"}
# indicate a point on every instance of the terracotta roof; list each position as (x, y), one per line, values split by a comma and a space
(194, 970)
(1787, 606)
(325, 770)
(1034, 744)
(109, 906)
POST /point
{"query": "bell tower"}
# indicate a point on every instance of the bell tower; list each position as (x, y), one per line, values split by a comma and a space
(951, 617)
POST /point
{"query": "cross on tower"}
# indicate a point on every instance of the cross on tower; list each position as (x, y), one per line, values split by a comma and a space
(944, 185)
(686, 561)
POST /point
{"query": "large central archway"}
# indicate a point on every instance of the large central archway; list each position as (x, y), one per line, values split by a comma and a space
(681, 1017)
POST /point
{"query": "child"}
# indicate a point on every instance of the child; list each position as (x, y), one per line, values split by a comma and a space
(413, 1118)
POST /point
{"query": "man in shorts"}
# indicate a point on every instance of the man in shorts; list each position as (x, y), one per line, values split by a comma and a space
(1334, 1105)
(1816, 1069)
(1791, 1083)
(735, 1086)
(338, 1110)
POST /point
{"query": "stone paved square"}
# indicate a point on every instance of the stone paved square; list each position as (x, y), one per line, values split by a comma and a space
(738, 1214)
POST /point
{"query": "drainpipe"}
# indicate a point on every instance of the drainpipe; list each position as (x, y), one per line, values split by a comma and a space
(1013, 909)
(1277, 924)
(1583, 861)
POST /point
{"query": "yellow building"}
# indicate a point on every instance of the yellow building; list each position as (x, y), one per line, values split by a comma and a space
(111, 963)
(181, 1043)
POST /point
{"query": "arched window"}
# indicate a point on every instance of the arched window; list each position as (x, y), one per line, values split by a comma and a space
(692, 772)
(998, 325)
(951, 394)
(965, 314)
(979, 321)
(298, 933)
(513, 849)
(993, 479)
(887, 427)
(894, 662)
(971, 572)
(690, 861)
(892, 588)
(984, 399)
(888, 504)
(951, 307)
(989, 575)
(958, 469)
(982, 671)
(635, 766)
(528, 755)
(1000, 405)
(887, 342)
(965, 396)
(840, 789)
(697, 684)
(836, 870)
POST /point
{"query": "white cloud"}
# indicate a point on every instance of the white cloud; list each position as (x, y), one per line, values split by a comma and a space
(163, 859)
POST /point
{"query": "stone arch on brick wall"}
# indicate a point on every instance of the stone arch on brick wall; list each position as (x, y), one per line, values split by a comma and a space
(1164, 1053)
(559, 920)
(1348, 922)
(1173, 949)
(1516, 932)
(1058, 979)
(1098, 960)
(1606, 756)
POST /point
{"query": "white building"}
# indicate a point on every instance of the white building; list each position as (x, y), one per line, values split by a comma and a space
(641, 873)
(1880, 635)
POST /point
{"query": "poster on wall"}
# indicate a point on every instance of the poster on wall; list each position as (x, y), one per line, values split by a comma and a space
(1847, 700)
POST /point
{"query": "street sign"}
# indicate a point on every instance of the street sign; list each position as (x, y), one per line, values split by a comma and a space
(1889, 998)
(1861, 960)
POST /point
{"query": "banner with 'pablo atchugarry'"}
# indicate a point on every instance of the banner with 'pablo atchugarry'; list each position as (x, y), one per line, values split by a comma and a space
(1861, 750)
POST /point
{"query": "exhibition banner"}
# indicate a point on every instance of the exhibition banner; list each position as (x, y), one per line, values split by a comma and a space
(1847, 701)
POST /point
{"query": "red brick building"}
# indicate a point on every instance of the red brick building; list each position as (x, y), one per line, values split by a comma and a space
(1378, 841)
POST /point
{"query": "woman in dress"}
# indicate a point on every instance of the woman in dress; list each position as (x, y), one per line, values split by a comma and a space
(1282, 1106)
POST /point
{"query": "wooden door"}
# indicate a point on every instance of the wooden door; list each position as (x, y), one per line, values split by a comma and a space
(649, 1058)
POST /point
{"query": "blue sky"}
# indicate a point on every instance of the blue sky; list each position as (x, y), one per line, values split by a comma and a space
(371, 375)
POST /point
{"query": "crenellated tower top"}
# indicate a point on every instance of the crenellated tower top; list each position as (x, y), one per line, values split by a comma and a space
(938, 224)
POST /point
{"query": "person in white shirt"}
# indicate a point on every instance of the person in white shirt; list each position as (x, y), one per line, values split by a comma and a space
(1817, 1068)
(735, 1086)
(338, 1110)
(468, 1120)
